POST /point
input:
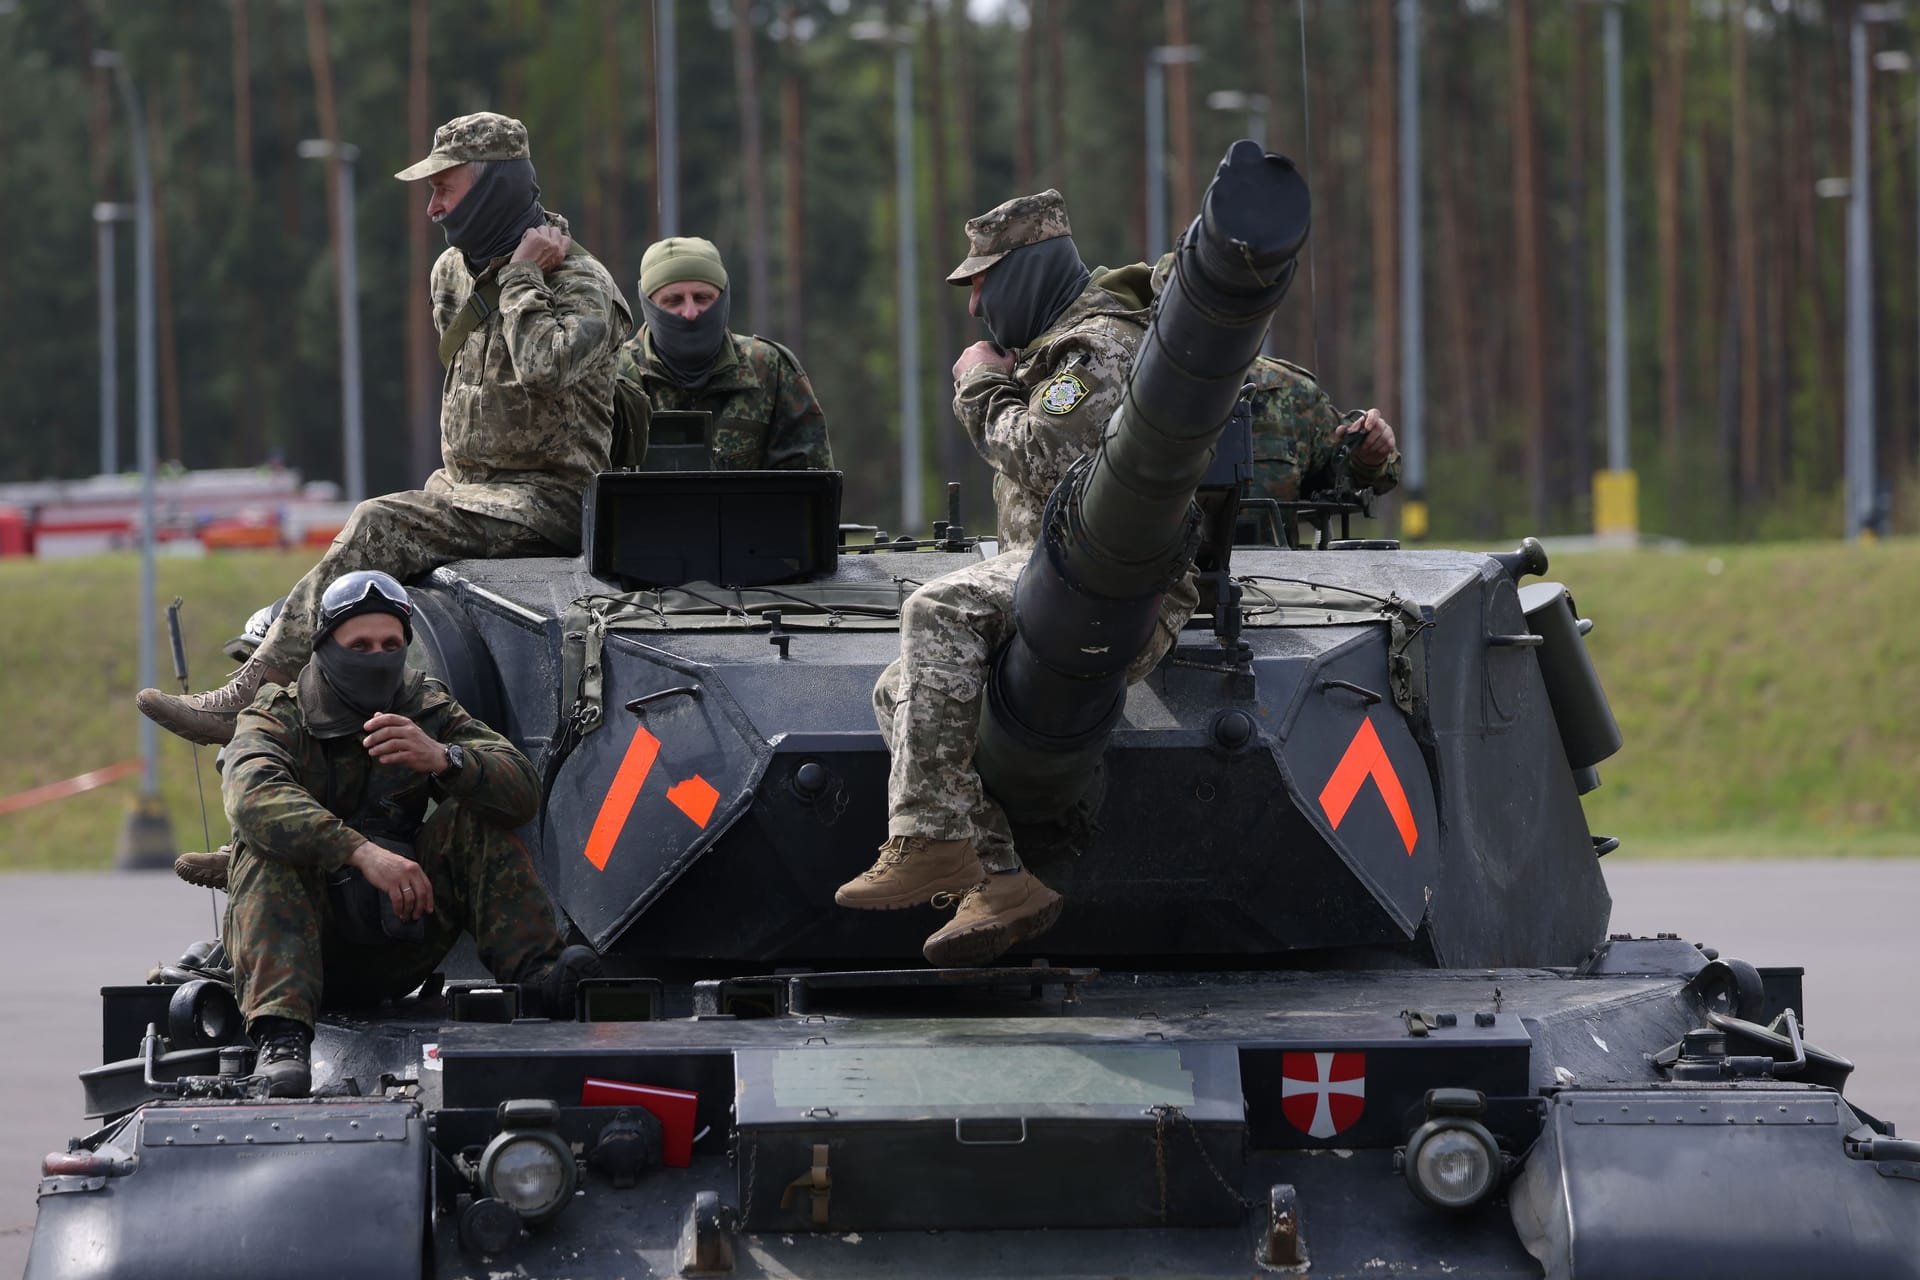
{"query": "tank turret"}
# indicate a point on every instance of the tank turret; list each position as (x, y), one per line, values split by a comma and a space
(1121, 529)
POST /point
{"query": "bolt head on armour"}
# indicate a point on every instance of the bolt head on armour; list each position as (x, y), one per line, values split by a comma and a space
(484, 135)
(1021, 221)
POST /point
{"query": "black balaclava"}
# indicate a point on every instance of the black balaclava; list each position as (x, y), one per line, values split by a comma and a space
(501, 206)
(687, 349)
(364, 683)
(1027, 290)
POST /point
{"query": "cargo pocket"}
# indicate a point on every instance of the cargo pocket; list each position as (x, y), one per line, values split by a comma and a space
(960, 685)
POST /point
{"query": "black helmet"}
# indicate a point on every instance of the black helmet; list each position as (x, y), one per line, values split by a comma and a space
(363, 591)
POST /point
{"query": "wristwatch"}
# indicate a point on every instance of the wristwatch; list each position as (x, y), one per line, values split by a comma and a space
(456, 761)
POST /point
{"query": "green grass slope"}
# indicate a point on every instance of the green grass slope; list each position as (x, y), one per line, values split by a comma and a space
(1769, 695)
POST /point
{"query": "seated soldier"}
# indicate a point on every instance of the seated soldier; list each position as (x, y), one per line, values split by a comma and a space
(342, 890)
(1297, 431)
(765, 415)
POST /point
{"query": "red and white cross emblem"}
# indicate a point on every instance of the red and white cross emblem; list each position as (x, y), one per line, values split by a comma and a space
(1322, 1094)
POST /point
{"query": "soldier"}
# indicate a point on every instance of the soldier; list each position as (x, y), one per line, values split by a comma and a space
(765, 415)
(1033, 400)
(341, 889)
(530, 328)
(1297, 430)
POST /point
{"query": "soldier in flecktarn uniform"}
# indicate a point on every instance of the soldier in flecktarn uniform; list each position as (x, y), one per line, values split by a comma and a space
(342, 892)
(1034, 400)
(765, 414)
(530, 329)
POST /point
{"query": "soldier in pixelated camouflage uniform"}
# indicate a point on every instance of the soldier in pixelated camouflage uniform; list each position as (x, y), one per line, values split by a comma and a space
(765, 414)
(1033, 401)
(341, 889)
(531, 326)
(1297, 431)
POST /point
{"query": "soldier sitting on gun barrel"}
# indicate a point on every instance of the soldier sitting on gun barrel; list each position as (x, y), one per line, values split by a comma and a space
(342, 890)
(1034, 400)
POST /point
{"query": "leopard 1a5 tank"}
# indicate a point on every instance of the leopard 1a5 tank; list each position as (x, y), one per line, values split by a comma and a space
(1332, 994)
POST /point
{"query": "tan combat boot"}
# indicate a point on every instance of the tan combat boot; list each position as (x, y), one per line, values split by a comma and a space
(206, 870)
(1000, 912)
(207, 718)
(910, 871)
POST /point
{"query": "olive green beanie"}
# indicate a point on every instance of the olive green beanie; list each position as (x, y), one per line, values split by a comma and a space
(680, 258)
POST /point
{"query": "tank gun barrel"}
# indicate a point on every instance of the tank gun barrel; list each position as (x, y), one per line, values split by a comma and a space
(1121, 528)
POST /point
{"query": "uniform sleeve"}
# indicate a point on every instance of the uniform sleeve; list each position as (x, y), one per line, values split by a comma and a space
(798, 439)
(559, 328)
(1032, 436)
(266, 804)
(499, 783)
(443, 290)
(1325, 418)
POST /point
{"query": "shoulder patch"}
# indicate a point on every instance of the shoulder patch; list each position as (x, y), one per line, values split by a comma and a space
(1062, 394)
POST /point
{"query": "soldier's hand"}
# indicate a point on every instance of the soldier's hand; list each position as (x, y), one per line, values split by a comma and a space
(393, 739)
(544, 247)
(1377, 443)
(401, 879)
(982, 353)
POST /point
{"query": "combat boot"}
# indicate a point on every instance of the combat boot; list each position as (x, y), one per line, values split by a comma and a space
(559, 985)
(285, 1049)
(1002, 911)
(207, 718)
(205, 870)
(910, 871)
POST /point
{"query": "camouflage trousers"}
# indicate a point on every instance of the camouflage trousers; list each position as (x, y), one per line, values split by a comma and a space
(927, 701)
(289, 961)
(405, 534)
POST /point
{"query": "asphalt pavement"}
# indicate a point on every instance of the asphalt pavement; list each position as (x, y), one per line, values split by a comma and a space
(1849, 923)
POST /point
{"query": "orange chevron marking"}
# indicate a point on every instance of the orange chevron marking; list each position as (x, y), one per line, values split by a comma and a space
(627, 781)
(1366, 758)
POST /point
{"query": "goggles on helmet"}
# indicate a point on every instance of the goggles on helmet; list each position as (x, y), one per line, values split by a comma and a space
(364, 591)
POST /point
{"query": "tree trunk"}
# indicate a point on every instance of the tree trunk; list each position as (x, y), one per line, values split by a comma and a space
(650, 72)
(1327, 296)
(1056, 13)
(963, 85)
(169, 354)
(242, 97)
(954, 452)
(1459, 278)
(1027, 106)
(1180, 122)
(613, 117)
(1746, 268)
(746, 77)
(793, 168)
(1577, 426)
(1528, 261)
(1669, 111)
(423, 410)
(1383, 204)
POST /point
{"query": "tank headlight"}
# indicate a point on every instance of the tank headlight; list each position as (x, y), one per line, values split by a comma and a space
(528, 1166)
(1451, 1161)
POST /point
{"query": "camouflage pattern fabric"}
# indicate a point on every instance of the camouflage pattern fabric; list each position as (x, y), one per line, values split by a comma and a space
(484, 135)
(1018, 222)
(526, 410)
(1034, 422)
(927, 701)
(1293, 436)
(405, 534)
(765, 414)
(287, 795)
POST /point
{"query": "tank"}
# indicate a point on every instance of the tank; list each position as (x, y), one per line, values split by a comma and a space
(1333, 993)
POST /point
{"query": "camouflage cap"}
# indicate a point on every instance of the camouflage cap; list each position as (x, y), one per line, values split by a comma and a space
(484, 135)
(1023, 220)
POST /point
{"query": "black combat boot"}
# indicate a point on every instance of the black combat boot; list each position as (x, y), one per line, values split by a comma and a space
(561, 982)
(285, 1056)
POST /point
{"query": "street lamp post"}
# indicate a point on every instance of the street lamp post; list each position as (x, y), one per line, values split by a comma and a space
(351, 428)
(667, 136)
(1253, 104)
(1413, 368)
(105, 215)
(912, 507)
(1159, 58)
(1616, 495)
(147, 839)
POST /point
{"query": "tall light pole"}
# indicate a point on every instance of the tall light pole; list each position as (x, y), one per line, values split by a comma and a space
(1413, 367)
(1900, 62)
(667, 126)
(1254, 104)
(906, 266)
(1159, 58)
(104, 217)
(348, 274)
(1616, 491)
(147, 839)
(1862, 498)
